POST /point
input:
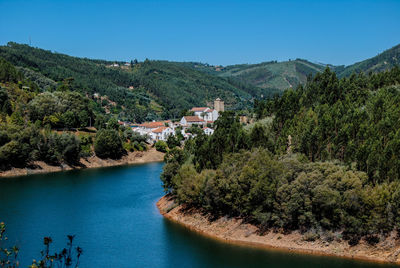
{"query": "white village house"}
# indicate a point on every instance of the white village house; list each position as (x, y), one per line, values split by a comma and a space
(161, 133)
(188, 121)
(161, 130)
(208, 131)
(205, 113)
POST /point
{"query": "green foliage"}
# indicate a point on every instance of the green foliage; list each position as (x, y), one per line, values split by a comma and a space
(108, 144)
(287, 193)
(273, 76)
(17, 145)
(8, 73)
(86, 142)
(161, 146)
(161, 89)
(174, 141)
(351, 124)
(384, 61)
(352, 119)
(5, 105)
(61, 109)
(113, 124)
(14, 153)
(59, 148)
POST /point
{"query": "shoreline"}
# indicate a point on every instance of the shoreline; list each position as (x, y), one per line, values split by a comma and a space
(149, 156)
(234, 231)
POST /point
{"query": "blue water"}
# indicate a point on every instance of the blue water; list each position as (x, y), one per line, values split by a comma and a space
(112, 212)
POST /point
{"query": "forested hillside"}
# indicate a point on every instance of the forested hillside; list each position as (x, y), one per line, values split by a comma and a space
(271, 77)
(274, 77)
(54, 124)
(141, 91)
(384, 61)
(322, 159)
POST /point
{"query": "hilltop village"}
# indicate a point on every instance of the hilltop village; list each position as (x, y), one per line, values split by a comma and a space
(201, 117)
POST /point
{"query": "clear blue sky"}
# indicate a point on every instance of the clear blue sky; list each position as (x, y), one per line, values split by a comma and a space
(216, 32)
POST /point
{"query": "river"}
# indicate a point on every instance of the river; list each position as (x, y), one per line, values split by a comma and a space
(112, 212)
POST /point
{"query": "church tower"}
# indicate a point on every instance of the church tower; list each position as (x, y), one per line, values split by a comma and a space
(219, 105)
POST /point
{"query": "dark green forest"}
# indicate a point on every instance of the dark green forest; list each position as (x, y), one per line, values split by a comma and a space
(322, 159)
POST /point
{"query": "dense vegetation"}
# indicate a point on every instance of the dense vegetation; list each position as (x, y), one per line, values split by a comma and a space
(54, 124)
(274, 77)
(160, 88)
(322, 159)
(384, 61)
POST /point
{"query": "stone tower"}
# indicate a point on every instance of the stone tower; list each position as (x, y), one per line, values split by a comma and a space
(219, 105)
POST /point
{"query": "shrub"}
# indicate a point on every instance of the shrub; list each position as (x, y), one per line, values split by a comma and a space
(14, 153)
(161, 146)
(86, 142)
(354, 240)
(372, 239)
(143, 145)
(310, 236)
(108, 144)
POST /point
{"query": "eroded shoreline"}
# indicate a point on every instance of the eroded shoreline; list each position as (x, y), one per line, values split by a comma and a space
(152, 155)
(234, 231)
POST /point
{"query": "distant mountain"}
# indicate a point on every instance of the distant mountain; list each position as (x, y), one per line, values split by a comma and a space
(271, 77)
(274, 77)
(384, 61)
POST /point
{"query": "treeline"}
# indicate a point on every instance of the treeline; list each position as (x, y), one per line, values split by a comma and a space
(32, 118)
(321, 159)
(291, 193)
(355, 120)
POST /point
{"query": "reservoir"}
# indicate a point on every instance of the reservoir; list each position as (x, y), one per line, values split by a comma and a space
(113, 213)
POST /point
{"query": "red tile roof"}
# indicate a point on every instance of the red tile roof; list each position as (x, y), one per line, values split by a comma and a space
(159, 130)
(193, 119)
(199, 109)
(154, 124)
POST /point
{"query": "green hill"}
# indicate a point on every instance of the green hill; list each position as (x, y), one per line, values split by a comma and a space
(150, 90)
(384, 61)
(274, 77)
(271, 77)
(137, 91)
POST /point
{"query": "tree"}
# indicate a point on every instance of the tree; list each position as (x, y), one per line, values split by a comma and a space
(113, 124)
(161, 146)
(108, 144)
(5, 105)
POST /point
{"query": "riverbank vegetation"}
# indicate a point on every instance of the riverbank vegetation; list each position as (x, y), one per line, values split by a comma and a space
(57, 126)
(322, 159)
